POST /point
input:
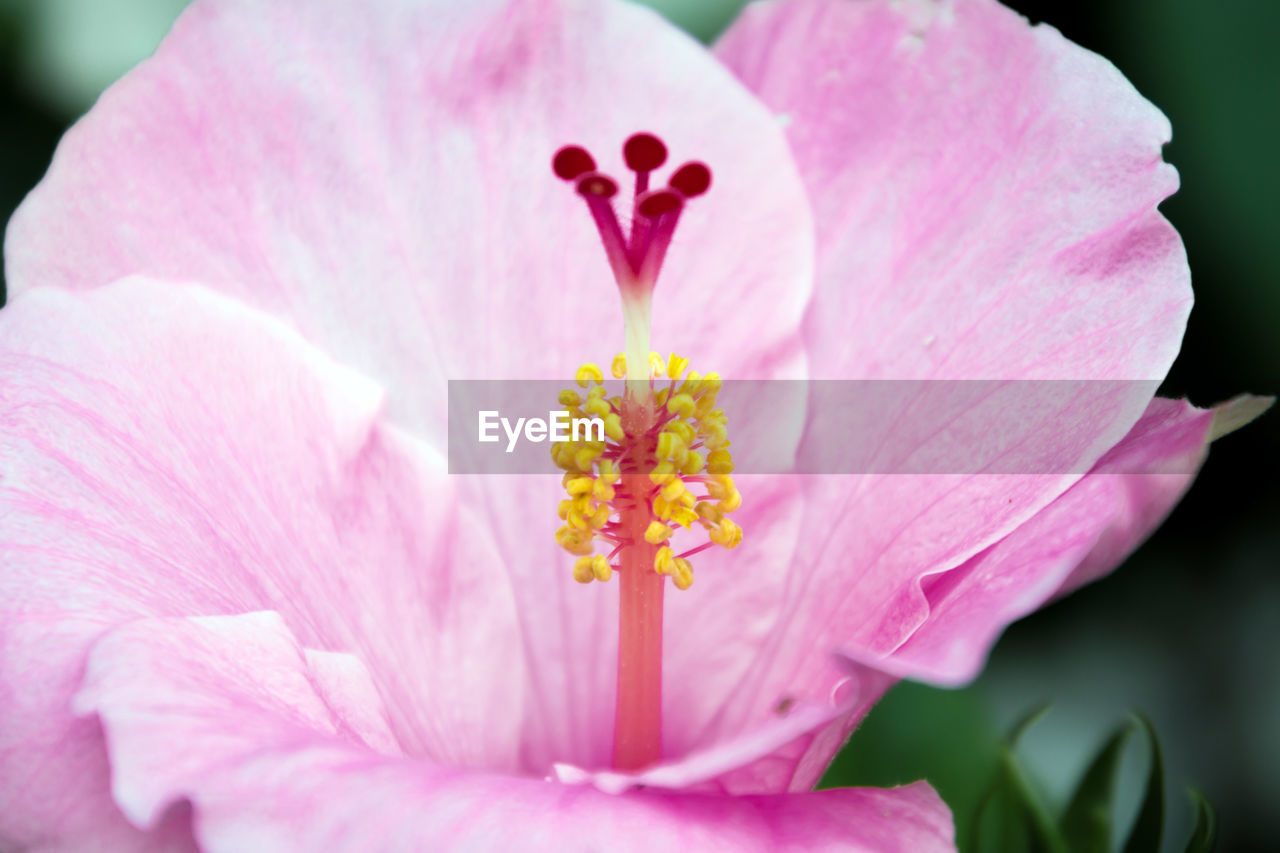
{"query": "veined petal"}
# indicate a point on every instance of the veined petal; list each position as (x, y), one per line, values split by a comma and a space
(271, 761)
(1079, 537)
(985, 199)
(383, 180)
(1088, 531)
(984, 192)
(168, 452)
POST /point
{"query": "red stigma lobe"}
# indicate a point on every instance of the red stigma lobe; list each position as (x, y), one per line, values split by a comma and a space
(635, 258)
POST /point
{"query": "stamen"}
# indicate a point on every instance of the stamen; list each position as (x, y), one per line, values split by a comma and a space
(662, 468)
(639, 485)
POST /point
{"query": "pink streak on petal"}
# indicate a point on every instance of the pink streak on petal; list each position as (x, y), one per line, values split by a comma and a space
(865, 544)
(382, 181)
(168, 452)
(984, 191)
(53, 768)
(978, 216)
(1082, 535)
(267, 765)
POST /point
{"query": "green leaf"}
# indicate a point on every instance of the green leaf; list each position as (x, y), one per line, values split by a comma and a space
(1205, 835)
(1148, 829)
(1086, 824)
(1022, 726)
(1021, 822)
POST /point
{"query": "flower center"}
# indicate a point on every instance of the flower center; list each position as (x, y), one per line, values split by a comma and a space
(663, 464)
(670, 468)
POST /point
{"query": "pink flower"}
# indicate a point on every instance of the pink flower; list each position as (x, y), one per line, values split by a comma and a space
(242, 604)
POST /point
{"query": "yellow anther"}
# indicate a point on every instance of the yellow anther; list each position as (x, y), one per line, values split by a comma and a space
(720, 486)
(574, 541)
(726, 534)
(578, 519)
(560, 459)
(587, 374)
(715, 435)
(673, 490)
(585, 456)
(683, 516)
(593, 478)
(681, 405)
(683, 574)
(613, 426)
(656, 364)
(671, 446)
(732, 502)
(657, 533)
(676, 365)
(596, 407)
(719, 461)
(602, 491)
(684, 429)
(582, 569)
(692, 464)
(709, 511)
(662, 473)
(579, 486)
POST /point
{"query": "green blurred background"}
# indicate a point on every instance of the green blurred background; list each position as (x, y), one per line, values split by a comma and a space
(1188, 630)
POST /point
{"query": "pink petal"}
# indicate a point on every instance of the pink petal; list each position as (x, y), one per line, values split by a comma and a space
(271, 761)
(168, 452)
(384, 180)
(1087, 532)
(984, 192)
(1079, 537)
(985, 201)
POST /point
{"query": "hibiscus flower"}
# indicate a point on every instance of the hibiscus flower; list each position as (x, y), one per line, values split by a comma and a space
(243, 605)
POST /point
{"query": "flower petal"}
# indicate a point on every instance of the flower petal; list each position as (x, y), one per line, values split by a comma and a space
(985, 198)
(1081, 536)
(384, 180)
(166, 451)
(1088, 530)
(271, 761)
(984, 192)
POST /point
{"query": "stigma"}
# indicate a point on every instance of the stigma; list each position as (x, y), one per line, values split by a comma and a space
(663, 469)
(636, 256)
